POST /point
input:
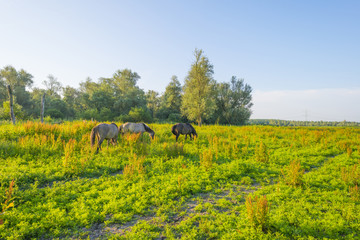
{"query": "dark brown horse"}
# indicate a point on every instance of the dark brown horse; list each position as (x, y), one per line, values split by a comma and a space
(185, 129)
(104, 131)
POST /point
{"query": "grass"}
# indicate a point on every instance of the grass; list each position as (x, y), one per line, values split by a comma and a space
(211, 188)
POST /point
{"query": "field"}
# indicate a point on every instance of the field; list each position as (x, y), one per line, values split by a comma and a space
(246, 182)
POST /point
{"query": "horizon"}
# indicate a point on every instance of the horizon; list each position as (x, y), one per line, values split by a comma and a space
(300, 58)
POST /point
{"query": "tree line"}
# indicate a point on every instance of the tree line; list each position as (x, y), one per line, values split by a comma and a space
(278, 122)
(201, 99)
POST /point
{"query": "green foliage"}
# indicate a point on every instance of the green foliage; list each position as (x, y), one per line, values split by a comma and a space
(54, 113)
(174, 117)
(171, 100)
(7, 204)
(293, 174)
(138, 114)
(261, 153)
(160, 188)
(233, 102)
(5, 111)
(257, 212)
(198, 101)
(351, 175)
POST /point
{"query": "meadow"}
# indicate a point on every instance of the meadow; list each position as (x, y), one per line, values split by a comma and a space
(232, 182)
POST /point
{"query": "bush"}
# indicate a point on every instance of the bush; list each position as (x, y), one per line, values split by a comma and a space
(174, 117)
(54, 113)
(140, 115)
(257, 212)
(293, 174)
(89, 114)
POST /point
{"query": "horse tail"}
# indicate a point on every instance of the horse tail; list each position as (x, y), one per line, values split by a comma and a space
(93, 135)
(173, 129)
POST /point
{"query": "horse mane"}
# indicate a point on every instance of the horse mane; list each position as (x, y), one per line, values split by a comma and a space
(192, 128)
(147, 128)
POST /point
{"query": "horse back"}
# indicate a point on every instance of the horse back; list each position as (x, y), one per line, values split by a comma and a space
(133, 127)
(107, 131)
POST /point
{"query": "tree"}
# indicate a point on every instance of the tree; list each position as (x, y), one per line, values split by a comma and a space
(5, 111)
(138, 114)
(198, 102)
(233, 102)
(153, 101)
(3, 92)
(55, 107)
(173, 95)
(127, 93)
(72, 100)
(53, 86)
(18, 81)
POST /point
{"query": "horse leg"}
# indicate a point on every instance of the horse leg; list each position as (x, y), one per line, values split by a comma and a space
(99, 145)
(185, 136)
(177, 136)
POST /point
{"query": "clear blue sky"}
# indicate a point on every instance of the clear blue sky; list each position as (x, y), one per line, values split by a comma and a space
(302, 58)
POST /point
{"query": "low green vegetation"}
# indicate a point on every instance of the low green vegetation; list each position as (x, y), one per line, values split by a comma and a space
(232, 182)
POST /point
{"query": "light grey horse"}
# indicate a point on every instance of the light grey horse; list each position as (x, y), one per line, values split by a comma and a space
(136, 128)
(104, 131)
(185, 129)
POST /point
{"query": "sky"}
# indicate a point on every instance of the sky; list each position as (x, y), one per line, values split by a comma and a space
(301, 58)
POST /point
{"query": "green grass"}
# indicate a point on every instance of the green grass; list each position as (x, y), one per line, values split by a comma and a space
(143, 189)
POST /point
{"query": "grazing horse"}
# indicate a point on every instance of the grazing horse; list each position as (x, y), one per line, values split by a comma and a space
(185, 129)
(104, 131)
(136, 128)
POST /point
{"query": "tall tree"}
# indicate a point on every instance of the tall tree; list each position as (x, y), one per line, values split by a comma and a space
(233, 102)
(72, 100)
(18, 81)
(53, 86)
(172, 95)
(152, 102)
(127, 93)
(198, 102)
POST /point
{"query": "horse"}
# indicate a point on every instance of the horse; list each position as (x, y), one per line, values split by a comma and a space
(136, 128)
(104, 131)
(185, 129)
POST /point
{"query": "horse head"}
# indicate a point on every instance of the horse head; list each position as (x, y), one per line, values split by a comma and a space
(152, 134)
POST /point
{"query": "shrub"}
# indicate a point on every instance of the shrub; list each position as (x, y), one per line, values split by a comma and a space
(174, 117)
(257, 212)
(54, 113)
(261, 153)
(174, 150)
(351, 175)
(140, 115)
(354, 193)
(7, 204)
(70, 162)
(206, 159)
(135, 167)
(293, 174)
